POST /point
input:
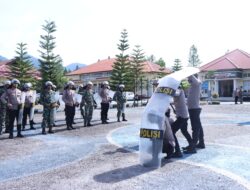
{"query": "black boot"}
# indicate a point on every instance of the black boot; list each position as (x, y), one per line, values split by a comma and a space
(11, 136)
(85, 123)
(50, 129)
(19, 134)
(68, 127)
(71, 127)
(31, 126)
(44, 131)
(118, 119)
(190, 150)
(123, 117)
(201, 145)
(23, 128)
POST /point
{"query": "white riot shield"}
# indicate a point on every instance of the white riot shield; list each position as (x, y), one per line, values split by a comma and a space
(77, 98)
(152, 123)
(54, 110)
(97, 99)
(32, 110)
(20, 114)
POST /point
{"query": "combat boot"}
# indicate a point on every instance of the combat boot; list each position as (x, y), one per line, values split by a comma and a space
(44, 131)
(50, 130)
(31, 126)
(118, 119)
(11, 136)
(19, 131)
(201, 145)
(123, 117)
(85, 123)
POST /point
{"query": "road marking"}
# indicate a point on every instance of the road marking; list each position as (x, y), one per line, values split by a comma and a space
(240, 180)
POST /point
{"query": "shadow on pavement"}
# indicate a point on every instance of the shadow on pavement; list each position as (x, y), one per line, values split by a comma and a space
(120, 174)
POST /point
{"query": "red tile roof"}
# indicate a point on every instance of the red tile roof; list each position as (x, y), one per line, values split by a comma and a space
(236, 59)
(106, 65)
(5, 71)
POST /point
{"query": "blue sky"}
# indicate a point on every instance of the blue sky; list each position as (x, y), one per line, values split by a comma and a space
(88, 30)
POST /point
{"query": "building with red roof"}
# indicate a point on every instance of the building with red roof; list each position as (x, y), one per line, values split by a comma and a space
(5, 71)
(226, 74)
(101, 71)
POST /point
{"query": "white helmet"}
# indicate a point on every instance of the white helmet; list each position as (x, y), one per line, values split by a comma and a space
(48, 83)
(15, 81)
(70, 83)
(90, 83)
(121, 86)
(54, 86)
(7, 82)
(27, 85)
(106, 82)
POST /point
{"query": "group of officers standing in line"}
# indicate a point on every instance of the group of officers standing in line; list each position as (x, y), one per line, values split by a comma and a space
(13, 100)
(185, 109)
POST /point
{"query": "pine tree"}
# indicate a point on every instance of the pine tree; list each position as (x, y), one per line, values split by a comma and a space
(137, 66)
(22, 68)
(151, 58)
(161, 62)
(50, 64)
(121, 73)
(177, 65)
(194, 60)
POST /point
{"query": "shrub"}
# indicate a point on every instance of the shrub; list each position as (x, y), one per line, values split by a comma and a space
(215, 95)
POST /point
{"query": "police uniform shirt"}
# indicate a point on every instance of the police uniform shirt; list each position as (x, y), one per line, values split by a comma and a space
(180, 105)
(13, 97)
(68, 97)
(193, 99)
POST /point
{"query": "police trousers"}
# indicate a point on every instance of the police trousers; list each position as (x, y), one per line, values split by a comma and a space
(70, 114)
(197, 130)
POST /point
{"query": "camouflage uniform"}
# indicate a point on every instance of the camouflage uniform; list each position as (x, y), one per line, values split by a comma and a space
(120, 98)
(88, 102)
(49, 104)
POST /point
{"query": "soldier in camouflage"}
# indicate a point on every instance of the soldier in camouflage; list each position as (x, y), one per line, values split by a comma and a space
(49, 104)
(4, 116)
(88, 103)
(120, 98)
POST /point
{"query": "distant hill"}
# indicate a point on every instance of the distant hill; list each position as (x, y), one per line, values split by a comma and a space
(34, 61)
(2, 58)
(73, 66)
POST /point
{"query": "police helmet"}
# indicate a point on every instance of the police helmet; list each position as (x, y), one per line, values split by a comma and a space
(7, 82)
(89, 83)
(54, 86)
(15, 81)
(27, 85)
(121, 86)
(106, 82)
(70, 83)
(49, 83)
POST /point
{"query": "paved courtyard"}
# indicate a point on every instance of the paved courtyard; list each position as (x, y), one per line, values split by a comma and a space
(106, 156)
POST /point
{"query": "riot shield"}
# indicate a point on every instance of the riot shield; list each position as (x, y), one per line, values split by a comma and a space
(55, 99)
(20, 114)
(32, 110)
(152, 123)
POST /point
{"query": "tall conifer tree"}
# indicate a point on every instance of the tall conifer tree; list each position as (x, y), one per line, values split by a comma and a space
(137, 66)
(22, 68)
(121, 73)
(194, 60)
(50, 64)
(177, 65)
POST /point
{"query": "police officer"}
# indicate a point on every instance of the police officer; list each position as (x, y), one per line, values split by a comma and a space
(13, 96)
(120, 98)
(4, 114)
(104, 94)
(28, 104)
(70, 104)
(49, 104)
(181, 112)
(194, 109)
(88, 103)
